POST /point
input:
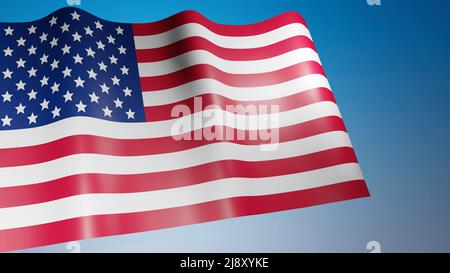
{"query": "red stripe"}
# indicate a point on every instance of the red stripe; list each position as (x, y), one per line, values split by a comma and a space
(115, 224)
(232, 54)
(164, 112)
(226, 30)
(107, 183)
(87, 144)
(203, 71)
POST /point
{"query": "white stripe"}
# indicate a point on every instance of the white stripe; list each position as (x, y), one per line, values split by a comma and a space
(92, 126)
(107, 164)
(195, 30)
(100, 204)
(211, 86)
(151, 69)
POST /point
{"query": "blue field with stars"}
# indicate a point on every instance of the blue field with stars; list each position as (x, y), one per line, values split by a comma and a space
(62, 66)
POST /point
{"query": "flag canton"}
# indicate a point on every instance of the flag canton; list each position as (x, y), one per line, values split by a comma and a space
(67, 64)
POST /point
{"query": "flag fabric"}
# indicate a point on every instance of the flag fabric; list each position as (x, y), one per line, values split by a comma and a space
(111, 128)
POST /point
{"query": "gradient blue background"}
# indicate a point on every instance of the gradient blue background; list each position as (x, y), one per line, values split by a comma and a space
(389, 68)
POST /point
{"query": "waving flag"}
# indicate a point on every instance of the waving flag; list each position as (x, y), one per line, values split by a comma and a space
(109, 128)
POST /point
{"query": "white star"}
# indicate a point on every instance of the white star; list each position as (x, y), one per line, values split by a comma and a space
(44, 58)
(98, 25)
(7, 74)
(53, 21)
(6, 121)
(78, 59)
(8, 31)
(127, 91)
(88, 31)
(92, 74)
(55, 87)
(32, 118)
(118, 103)
(7, 96)
(115, 80)
(44, 104)
(32, 94)
(90, 52)
(67, 72)
(75, 16)
(65, 27)
(32, 50)
(54, 64)
(32, 30)
(102, 66)
(124, 70)
(81, 107)
(21, 63)
(105, 88)
(79, 82)
(130, 114)
(8, 51)
(44, 81)
(119, 30)
(32, 72)
(54, 42)
(68, 96)
(113, 59)
(106, 111)
(76, 37)
(55, 112)
(21, 42)
(100, 45)
(94, 97)
(122, 50)
(65, 49)
(111, 39)
(21, 85)
(43, 37)
(20, 109)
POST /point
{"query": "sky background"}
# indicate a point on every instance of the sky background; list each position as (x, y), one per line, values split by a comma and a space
(389, 69)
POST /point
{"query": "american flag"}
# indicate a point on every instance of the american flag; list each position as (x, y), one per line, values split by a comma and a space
(90, 145)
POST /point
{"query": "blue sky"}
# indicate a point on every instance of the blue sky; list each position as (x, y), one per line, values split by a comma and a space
(389, 68)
